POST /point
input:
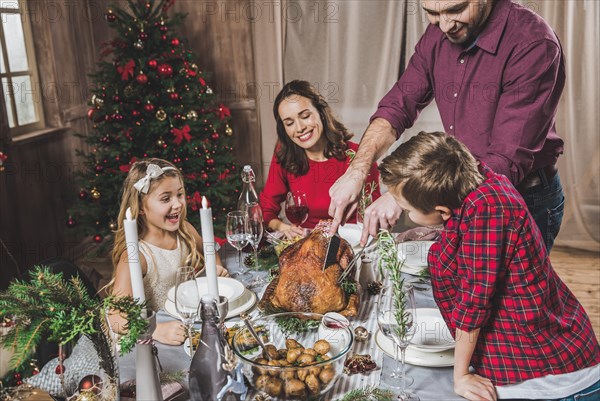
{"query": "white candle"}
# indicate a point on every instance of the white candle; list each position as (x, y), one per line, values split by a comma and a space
(133, 257)
(208, 242)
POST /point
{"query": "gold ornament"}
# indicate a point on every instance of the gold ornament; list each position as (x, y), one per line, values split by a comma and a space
(161, 115)
(112, 226)
(160, 142)
(228, 130)
(171, 89)
(138, 45)
(361, 334)
(209, 90)
(192, 115)
(95, 193)
(97, 101)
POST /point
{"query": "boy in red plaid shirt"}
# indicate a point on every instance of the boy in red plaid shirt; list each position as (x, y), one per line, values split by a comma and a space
(515, 322)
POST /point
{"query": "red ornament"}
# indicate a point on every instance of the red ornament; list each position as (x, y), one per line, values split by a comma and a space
(118, 117)
(143, 36)
(83, 194)
(149, 107)
(165, 70)
(70, 222)
(174, 96)
(94, 115)
(164, 37)
(175, 42)
(215, 135)
(204, 176)
(18, 376)
(142, 79)
(99, 168)
(207, 183)
(163, 28)
(110, 16)
(60, 369)
(210, 162)
(92, 383)
(97, 238)
(135, 113)
(152, 64)
(117, 98)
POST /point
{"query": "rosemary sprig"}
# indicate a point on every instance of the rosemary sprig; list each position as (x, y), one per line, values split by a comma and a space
(349, 287)
(388, 258)
(293, 325)
(368, 393)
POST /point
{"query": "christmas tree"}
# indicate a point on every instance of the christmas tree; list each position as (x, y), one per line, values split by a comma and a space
(151, 100)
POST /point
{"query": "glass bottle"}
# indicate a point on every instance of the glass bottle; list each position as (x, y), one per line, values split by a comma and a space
(248, 194)
(207, 374)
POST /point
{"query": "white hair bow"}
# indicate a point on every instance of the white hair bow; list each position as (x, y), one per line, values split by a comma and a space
(152, 171)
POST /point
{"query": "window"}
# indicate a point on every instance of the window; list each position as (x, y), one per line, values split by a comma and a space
(21, 97)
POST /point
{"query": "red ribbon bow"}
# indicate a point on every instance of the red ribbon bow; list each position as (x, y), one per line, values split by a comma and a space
(126, 70)
(223, 112)
(126, 167)
(180, 134)
(195, 201)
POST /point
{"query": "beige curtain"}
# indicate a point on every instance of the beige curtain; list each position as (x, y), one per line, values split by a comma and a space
(350, 50)
(577, 24)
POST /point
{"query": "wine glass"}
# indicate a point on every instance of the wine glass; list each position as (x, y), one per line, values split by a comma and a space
(396, 316)
(235, 229)
(187, 299)
(254, 232)
(296, 207)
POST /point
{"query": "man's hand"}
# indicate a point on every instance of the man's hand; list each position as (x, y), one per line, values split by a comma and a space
(383, 213)
(474, 387)
(345, 193)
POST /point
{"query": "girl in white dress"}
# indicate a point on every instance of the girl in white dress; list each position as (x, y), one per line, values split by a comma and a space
(154, 192)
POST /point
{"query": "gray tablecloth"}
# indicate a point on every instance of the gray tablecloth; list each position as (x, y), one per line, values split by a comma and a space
(434, 384)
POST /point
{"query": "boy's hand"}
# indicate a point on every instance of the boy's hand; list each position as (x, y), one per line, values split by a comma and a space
(475, 388)
(222, 272)
(170, 333)
(291, 231)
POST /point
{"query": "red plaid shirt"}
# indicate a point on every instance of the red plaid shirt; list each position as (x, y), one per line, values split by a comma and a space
(490, 270)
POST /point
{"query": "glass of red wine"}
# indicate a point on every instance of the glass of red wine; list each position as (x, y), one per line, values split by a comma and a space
(296, 207)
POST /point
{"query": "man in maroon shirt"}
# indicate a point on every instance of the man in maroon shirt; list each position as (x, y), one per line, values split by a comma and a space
(496, 71)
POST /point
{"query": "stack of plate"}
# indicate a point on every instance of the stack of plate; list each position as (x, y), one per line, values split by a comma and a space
(351, 233)
(432, 344)
(414, 254)
(240, 299)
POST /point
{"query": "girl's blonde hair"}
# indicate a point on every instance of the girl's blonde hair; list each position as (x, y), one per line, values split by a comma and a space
(133, 199)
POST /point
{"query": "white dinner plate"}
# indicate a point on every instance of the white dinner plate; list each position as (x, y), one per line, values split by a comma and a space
(245, 303)
(351, 233)
(414, 253)
(228, 287)
(432, 333)
(415, 357)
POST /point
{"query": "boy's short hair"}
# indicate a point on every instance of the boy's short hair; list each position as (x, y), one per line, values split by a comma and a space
(434, 169)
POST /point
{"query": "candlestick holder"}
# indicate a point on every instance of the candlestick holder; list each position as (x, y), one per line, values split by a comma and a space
(146, 355)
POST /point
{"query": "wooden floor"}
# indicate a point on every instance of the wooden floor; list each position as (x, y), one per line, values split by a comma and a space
(580, 270)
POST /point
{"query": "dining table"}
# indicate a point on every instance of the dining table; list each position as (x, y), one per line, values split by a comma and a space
(431, 383)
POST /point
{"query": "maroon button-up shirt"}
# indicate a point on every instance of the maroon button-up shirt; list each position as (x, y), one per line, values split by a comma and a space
(490, 270)
(499, 96)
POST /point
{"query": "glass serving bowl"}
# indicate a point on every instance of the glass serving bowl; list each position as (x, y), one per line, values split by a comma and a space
(293, 373)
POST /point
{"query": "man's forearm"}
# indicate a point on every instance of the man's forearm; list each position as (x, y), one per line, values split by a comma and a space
(378, 137)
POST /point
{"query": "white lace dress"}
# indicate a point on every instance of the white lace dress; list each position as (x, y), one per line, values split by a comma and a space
(162, 271)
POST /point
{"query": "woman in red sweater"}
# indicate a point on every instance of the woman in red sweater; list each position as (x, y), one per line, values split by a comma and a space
(311, 153)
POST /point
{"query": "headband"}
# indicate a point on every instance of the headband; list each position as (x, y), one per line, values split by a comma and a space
(152, 171)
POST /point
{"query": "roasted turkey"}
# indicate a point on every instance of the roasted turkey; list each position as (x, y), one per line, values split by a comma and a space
(303, 286)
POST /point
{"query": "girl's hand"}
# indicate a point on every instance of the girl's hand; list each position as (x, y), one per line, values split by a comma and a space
(474, 387)
(170, 333)
(222, 272)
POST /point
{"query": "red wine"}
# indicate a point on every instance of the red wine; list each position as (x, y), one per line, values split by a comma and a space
(296, 214)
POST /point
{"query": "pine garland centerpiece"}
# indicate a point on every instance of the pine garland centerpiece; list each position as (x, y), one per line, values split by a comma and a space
(48, 307)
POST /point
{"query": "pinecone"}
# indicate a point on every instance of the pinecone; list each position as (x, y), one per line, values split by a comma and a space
(374, 287)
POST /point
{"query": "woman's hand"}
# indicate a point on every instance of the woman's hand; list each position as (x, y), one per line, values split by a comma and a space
(170, 333)
(222, 272)
(291, 231)
(474, 387)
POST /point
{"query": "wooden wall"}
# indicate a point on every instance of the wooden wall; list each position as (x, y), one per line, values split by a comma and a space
(37, 186)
